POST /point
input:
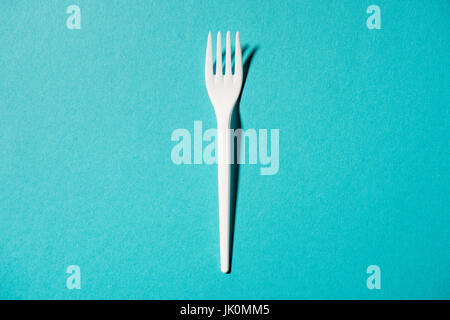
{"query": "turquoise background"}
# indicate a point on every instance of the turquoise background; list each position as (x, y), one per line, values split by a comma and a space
(86, 177)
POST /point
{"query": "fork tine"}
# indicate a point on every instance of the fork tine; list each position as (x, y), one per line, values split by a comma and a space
(237, 59)
(219, 56)
(208, 61)
(228, 57)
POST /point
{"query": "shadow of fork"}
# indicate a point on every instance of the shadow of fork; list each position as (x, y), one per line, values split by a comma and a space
(236, 124)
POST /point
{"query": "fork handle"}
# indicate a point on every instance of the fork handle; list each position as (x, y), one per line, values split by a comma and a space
(223, 165)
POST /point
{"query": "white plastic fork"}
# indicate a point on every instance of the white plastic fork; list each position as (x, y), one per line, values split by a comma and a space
(223, 91)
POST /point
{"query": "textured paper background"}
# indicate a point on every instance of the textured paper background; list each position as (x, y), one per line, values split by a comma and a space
(86, 176)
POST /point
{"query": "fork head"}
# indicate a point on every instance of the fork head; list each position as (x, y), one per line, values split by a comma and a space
(223, 89)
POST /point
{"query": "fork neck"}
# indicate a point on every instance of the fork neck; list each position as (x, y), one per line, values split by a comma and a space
(223, 116)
